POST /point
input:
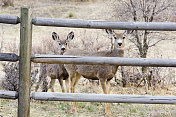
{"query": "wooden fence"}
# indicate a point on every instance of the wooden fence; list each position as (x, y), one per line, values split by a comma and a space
(25, 59)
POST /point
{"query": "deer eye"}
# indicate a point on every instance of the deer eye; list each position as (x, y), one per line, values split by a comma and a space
(65, 43)
(123, 37)
(59, 43)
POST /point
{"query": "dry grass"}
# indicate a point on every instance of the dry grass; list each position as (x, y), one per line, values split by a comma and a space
(8, 108)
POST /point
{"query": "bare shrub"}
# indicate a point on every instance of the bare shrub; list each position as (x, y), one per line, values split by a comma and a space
(10, 81)
(92, 42)
(11, 78)
(6, 3)
(144, 11)
(47, 47)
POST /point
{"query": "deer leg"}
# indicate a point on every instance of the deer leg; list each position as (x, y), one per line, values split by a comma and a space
(39, 82)
(104, 84)
(45, 84)
(52, 82)
(72, 79)
(108, 86)
(108, 92)
(67, 84)
(78, 76)
(61, 84)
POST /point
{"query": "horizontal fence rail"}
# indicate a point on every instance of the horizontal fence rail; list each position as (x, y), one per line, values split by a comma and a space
(9, 19)
(8, 94)
(90, 60)
(111, 98)
(77, 23)
(9, 57)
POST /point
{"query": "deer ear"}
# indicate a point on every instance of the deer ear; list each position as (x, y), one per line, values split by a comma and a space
(109, 31)
(55, 36)
(70, 36)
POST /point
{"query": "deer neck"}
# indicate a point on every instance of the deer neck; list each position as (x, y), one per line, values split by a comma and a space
(61, 53)
(117, 52)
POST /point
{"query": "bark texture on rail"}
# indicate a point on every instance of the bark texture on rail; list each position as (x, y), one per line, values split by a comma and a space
(79, 23)
(93, 60)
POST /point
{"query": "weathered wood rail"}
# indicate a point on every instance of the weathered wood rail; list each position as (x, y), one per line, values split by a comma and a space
(9, 57)
(110, 98)
(25, 60)
(77, 23)
(94, 60)
(9, 19)
(83, 97)
(8, 94)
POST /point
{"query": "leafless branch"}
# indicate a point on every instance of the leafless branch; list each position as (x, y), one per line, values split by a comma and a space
(163, 7)
(133, 41)
(153, 11)
(154, 44)
(134, 11)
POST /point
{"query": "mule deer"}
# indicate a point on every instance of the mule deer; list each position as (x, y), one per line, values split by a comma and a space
(96, 72)
(55, 71)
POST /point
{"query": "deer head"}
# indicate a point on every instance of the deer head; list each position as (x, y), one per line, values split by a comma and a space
(63, 44)
(117, 39)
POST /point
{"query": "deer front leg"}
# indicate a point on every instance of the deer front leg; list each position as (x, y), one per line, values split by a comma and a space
(52, 82)
(104, 84)
(45, 85)
(67, 84)
(77, 77)
(39, 82)
(108, 92)
(73, 80)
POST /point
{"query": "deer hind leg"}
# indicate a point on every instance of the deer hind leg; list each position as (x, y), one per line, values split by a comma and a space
(105, 85)
(52, 82)
(61, 84)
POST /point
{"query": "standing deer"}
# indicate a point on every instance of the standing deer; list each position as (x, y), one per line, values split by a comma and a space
(55, 71)
(96, 72)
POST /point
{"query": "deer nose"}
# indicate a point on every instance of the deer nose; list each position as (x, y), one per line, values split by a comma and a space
(120, 44)
(62, 49)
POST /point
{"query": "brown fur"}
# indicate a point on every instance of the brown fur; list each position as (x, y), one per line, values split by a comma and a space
(55, 71)
(100, 72)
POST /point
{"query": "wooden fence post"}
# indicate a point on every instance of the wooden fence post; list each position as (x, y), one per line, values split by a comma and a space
(25, 63)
